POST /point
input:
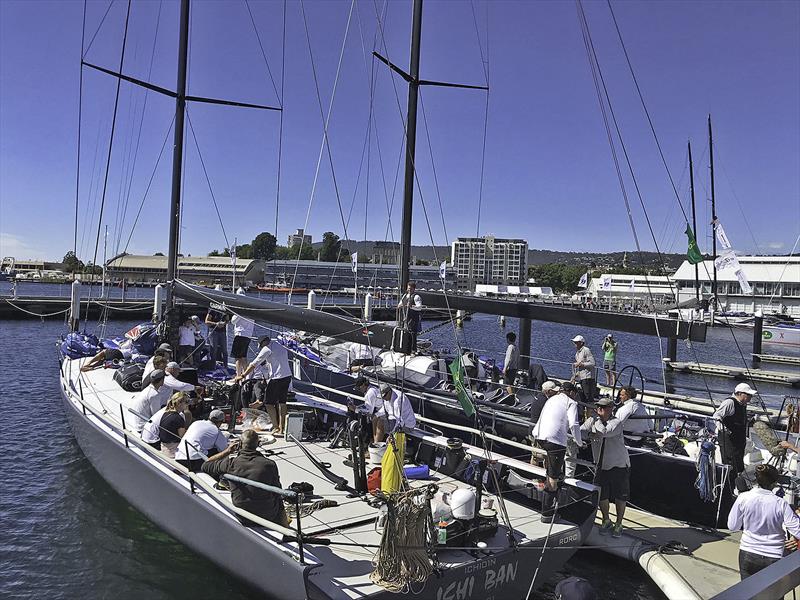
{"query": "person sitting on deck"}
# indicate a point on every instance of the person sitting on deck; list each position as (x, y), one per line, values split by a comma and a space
(160, 363)
(631, 406)
(762, 517)
(559, 415)
(613, 463)
(164, 350)
(200, 438)
(171, 379)
(250, 464)
(165, 428)
(148, 401)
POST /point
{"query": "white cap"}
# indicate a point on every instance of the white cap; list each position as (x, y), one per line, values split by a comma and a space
(173, 365)
(743, 388)
(579, 338)
(550, 386)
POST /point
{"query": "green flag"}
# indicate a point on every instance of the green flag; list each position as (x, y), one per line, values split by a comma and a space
(693, 253)
(461, 391)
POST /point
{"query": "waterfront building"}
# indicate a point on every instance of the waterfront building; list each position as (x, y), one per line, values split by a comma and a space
(512, 292)
(489, 260)
(298, 237)
(322, 275)
(386, 253)
(197, 269)
(631, 289)
(775, 281)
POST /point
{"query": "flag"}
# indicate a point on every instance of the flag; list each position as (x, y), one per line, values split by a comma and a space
(461, 391)
(584, 282)
(606, 279)
(743, 283)
(443, 270)
(721, 236)
(632, 286)
(727, 260)
(354, 258)
(693, 253)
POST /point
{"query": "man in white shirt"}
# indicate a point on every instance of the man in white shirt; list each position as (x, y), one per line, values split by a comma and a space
(559, 416)
(631, 407)
(731, 418)
(762, 516)
(200, 439)
(271, 366)
(373, 405)
(171, 379)
(147, 402)
(186, 340)
(410, 312)
(164, 350)
(242, 335)
(583, 370)
(511, 363)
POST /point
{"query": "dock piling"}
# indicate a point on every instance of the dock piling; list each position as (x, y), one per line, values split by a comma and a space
(672, 349)
(758, 328)
(524, 344)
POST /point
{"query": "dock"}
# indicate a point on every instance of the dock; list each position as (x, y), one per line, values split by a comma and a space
(56, 307)
(778, 358)
(741, 373)
(685, 562)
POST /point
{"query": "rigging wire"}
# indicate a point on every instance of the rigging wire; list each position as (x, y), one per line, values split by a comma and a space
(91, 41)
(485, 64)
(208, 179)
(108, 158)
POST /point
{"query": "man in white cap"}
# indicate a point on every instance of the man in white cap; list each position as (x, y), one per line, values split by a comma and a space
(583, 369)
(731, 418)
(200, 439)
(171, 379)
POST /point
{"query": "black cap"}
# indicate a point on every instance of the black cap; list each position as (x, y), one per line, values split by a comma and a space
(264, 339)
(361, 381)
(568, 386)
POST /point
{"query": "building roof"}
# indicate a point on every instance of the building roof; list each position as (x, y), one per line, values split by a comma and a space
(347, 265)
(756, 268)
(185, 263)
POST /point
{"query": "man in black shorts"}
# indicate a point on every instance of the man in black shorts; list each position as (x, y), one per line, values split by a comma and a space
(613, 463)
(271, 368)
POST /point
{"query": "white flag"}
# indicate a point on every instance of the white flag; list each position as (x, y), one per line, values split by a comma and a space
(727, 260)
(584, 282)
(354, 258)
(743, 283)
(606, 279)
(721, 237)
(632, 286)
(443, 270)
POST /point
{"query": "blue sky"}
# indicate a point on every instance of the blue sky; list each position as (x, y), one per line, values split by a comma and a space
(548, 178)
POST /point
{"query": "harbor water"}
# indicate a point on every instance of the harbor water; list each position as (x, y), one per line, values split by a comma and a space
(67, 534)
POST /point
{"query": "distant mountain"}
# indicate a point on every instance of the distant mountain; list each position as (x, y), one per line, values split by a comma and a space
(539, 256)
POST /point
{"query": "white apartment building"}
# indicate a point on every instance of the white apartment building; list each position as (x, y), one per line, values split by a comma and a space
(298, 237)
(490, 261)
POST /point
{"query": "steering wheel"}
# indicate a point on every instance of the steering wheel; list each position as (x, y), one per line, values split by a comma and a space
(631, 372)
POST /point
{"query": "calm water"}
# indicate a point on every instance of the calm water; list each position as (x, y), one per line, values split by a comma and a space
(66, 534)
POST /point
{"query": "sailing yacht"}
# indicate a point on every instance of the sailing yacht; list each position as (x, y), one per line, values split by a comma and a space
(342, 541)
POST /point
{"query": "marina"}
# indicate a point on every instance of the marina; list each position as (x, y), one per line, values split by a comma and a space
(349, 420)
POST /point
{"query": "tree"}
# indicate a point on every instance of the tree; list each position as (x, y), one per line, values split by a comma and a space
(295, 252)
(158, 254)
(263, 246)
(216, 253)
(331, 249)
(72, 263)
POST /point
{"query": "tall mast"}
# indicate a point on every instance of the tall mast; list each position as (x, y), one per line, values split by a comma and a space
(177, 152)
(694, 223)
(411, 144)
(713, 210)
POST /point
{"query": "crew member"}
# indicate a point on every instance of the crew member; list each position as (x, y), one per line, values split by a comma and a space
(410, 310)
(173, 424)
(164, 350)
(583, 369)
(731, 417)
(610, 349)
(559, 415)
(373, 405)
(249, 463)
(400, 419)
(242, 336)
(217, 321)
(200, 438)
(631, 406)
(511, 363)
(271, 368)
(106, 355)
(186, 342)
(171, 379)
(613, 463)
(147, 402)
(762, 517)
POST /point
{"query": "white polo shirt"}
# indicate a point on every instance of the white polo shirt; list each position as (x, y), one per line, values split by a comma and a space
(272, 362)
(559, 415)
(186, 336)
(151, 428)
(176, 385)
(146, 403)
(629, 409)
(762, 517)
(202, 435)
(399, 408)
(242, 327)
